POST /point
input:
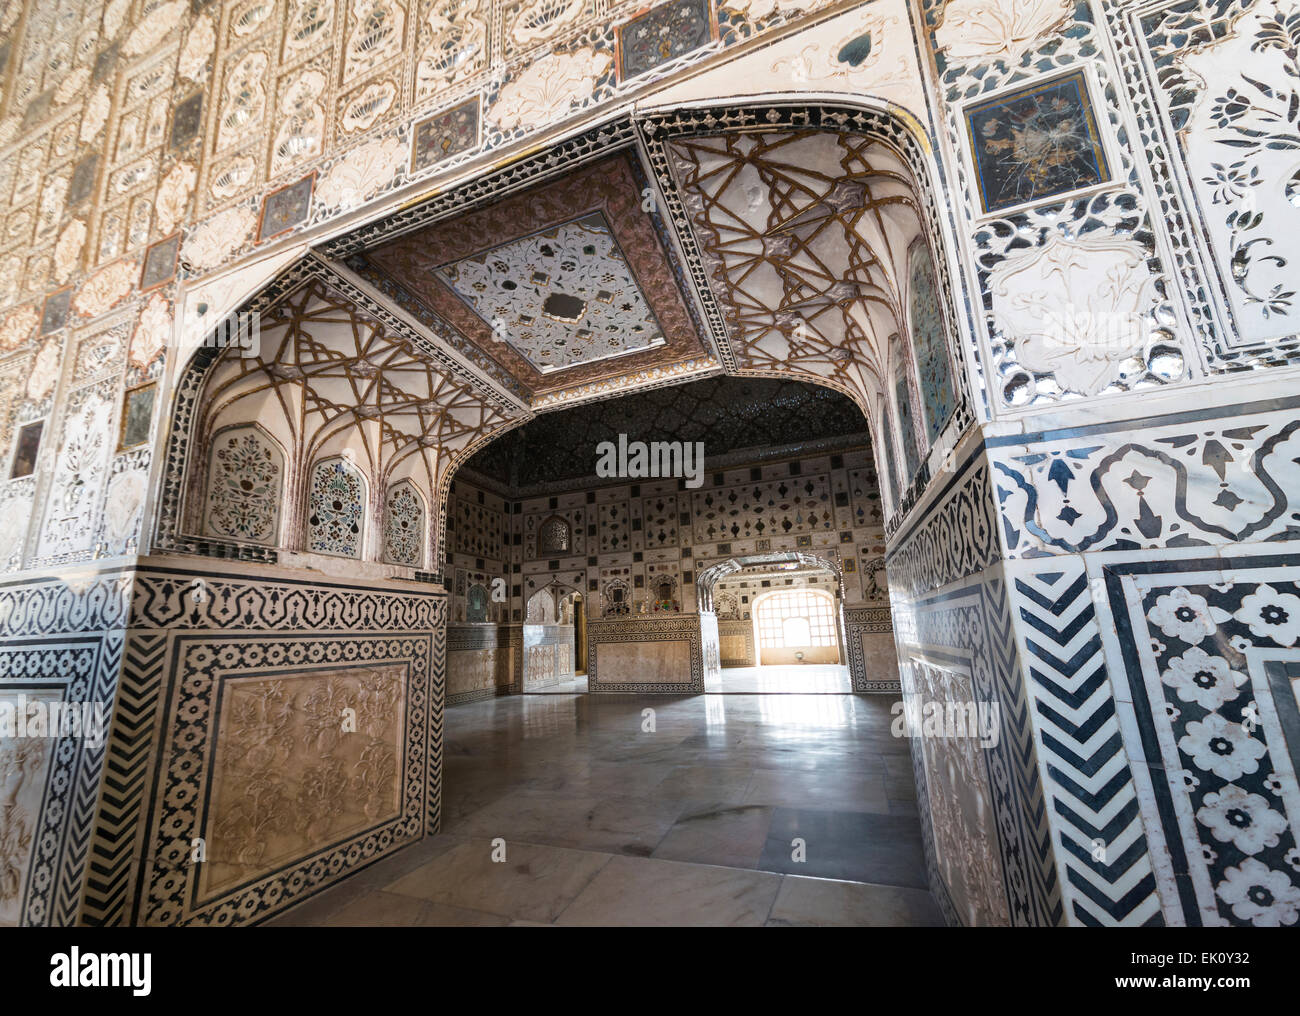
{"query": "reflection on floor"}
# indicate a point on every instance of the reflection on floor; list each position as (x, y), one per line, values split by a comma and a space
(692, 823)
(804, 679)
(573, 686)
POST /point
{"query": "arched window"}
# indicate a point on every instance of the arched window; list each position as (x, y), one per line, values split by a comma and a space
(476, 604)
(618, 598)
(404, 526)
(786, 616)
(929, 342)
(245, 477)
(541, 607)
(555, 536)
(336, 510)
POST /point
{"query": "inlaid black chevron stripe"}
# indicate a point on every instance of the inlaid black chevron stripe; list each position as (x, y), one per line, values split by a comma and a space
(85, 792)
(122, 791)
(1045, 889)
(1103, 847)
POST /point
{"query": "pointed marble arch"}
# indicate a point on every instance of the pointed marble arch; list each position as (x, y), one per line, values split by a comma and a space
(651, 131)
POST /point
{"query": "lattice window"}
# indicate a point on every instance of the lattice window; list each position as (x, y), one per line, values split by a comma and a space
(796, 617)
(335, 509)
(404, 526)
(554, 537)
(245, 477)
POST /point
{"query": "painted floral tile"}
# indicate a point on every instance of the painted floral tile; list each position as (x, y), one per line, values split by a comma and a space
(1035, 143)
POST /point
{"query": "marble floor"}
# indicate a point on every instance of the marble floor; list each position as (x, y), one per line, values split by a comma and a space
(737, 809)
(573, 686)
(804, 679)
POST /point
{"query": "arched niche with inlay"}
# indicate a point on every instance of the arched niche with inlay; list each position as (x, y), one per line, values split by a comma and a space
(336, 508)
(245, 485)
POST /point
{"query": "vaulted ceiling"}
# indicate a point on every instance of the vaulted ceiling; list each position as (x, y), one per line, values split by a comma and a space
(562, 285)
(725, 413)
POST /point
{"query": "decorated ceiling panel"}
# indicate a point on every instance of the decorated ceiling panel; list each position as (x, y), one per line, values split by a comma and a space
(725, 413)
(562, 285)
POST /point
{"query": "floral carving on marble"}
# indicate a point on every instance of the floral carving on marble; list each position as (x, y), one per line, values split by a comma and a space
(984, 30)
(1084, 346)
(549, 88)
(361, 174)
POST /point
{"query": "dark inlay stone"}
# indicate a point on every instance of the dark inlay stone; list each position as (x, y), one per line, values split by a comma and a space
(105, 63)
(55, 314)
(83, 179)
(38, 108)
(187, 121)
(662, 35)
(286, 208)
(1035, 143)
(564, 307)
(446, 134)
(28, 447)
(160, 262)
(855, 51)
(137, 414)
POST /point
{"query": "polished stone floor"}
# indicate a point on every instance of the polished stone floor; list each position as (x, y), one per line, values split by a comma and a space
(710, 810)
(804, 679)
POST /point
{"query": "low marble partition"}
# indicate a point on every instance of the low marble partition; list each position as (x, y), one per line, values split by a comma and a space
(547, 655)
(659, 654)
(873, 656)
(483, 661)
(736, 643)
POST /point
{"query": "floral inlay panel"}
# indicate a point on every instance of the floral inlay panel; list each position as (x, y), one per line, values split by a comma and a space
(404, 526)
(335, 509)
(244, 487)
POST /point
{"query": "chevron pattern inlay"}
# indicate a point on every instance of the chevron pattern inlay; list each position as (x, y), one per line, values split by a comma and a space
(1103, 845)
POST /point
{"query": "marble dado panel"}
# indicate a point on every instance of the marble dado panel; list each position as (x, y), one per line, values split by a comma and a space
(332, 758)
(869, 647)
(61, 639)
(736, 643)
(483, 661)
(642, 654)
(288, 725)
(548, 654)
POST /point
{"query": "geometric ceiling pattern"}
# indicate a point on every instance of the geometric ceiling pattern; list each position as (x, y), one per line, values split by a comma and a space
(725, 413)
(329, 379)
(565, 284)
(805, 235)
(562, 297)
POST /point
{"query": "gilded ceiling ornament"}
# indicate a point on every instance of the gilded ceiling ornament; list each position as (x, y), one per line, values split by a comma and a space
(302, 131)
(95, 114)
(1083, 346)
(757, 10)
(17, 327)
(368, 106)
(230, 179)
(998, 29)
(67, 252)
(106, 288)
(361, 174)
(200, 44)
(375, 35)
(174, 195)
(114, 17)
(220, 236)
(245, 99)
(146, 36)
(456, 46)
(538, 20)
(70, 85)
(151, 331)
(549, 88)
(44, 371)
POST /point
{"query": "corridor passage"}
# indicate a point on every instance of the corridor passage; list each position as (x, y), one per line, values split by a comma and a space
(691, 815)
